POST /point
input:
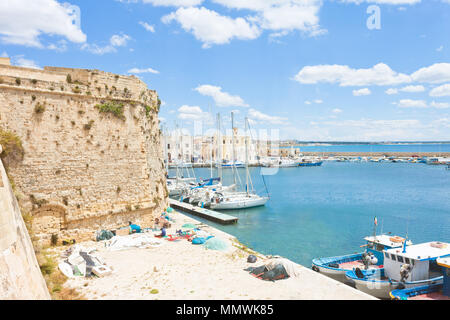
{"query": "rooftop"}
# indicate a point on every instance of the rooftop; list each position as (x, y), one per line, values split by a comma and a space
(424, 251)
(388, 240)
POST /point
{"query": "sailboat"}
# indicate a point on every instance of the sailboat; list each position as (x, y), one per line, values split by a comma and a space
(238, 200)
(184, 177)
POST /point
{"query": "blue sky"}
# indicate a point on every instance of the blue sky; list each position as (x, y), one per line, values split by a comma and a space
(311, 69)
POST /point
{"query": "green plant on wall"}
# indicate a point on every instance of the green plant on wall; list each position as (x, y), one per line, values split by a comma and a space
(13, 151)
(113, 107)
(39, 109)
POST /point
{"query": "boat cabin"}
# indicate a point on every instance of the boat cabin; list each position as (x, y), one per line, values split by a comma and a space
(445, 264)
(421, 257)
(376, 244)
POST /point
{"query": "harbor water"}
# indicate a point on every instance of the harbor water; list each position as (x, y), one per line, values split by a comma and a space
(328, 210)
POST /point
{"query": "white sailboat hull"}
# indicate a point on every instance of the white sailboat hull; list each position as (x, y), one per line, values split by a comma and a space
(240, 203)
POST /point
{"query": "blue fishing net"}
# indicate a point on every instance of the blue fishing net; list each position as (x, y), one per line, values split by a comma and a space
(216, 244)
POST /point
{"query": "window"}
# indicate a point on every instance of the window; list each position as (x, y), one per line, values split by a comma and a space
(380, 247)
(407, 261)
(393, 257)
(370, 245)
(400, 259)
(386, 255)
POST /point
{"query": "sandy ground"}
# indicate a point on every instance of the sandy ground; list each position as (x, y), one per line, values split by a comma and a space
(180, 270)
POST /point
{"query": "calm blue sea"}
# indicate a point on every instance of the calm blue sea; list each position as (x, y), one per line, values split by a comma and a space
(379, 148)
(326, 211)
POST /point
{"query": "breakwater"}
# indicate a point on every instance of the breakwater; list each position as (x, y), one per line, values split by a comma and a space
(375, 154)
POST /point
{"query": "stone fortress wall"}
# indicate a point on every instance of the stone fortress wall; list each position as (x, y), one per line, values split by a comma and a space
(83, 169)
(20, 276)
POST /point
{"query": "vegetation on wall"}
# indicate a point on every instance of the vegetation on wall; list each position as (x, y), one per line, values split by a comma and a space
(39, 108)
(13, 151)
(113, 107)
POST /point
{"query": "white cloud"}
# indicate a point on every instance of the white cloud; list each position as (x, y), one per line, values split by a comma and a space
(441, 91)
(212, 28)
(4, 55)
(147, 26)
(362, 92)
(23, 22)
(60, 46)
(174, 3)
(436, 73)
(222, 99)
(380, 74)
(418, 88)
(317, 101)
(20, 61)
(337, 110)
(388, 2)
(147, 70)
(408, 103)
(440, 49)
(440, 105)
(193, 113)
(391, 91)
(282, 16)
(117, 40)
(259, 116)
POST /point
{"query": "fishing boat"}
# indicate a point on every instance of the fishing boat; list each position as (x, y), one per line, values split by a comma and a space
(411, 267)
(428, 292)
(234, 164)
(371, 258)
(275, 162)
(310, 163)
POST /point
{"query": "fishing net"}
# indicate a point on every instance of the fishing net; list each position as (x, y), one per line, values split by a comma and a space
(216, 244)
(291, 268)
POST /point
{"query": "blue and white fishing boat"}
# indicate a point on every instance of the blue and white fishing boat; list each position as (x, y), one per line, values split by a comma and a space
(429, 292)
(410, 267)
(310, 163)
(371, 259)
(233, 164)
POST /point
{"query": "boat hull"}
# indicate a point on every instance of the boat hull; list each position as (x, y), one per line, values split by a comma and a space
(381, 288)
(322, 265)
(310, 164)
(336, 274)
(239, 204)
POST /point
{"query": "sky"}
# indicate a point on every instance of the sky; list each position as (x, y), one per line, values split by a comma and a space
(331, 70)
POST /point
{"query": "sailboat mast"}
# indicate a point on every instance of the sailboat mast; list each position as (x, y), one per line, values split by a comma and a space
(219, 149)
(233, 151)
(246, 157)
(211, 151)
